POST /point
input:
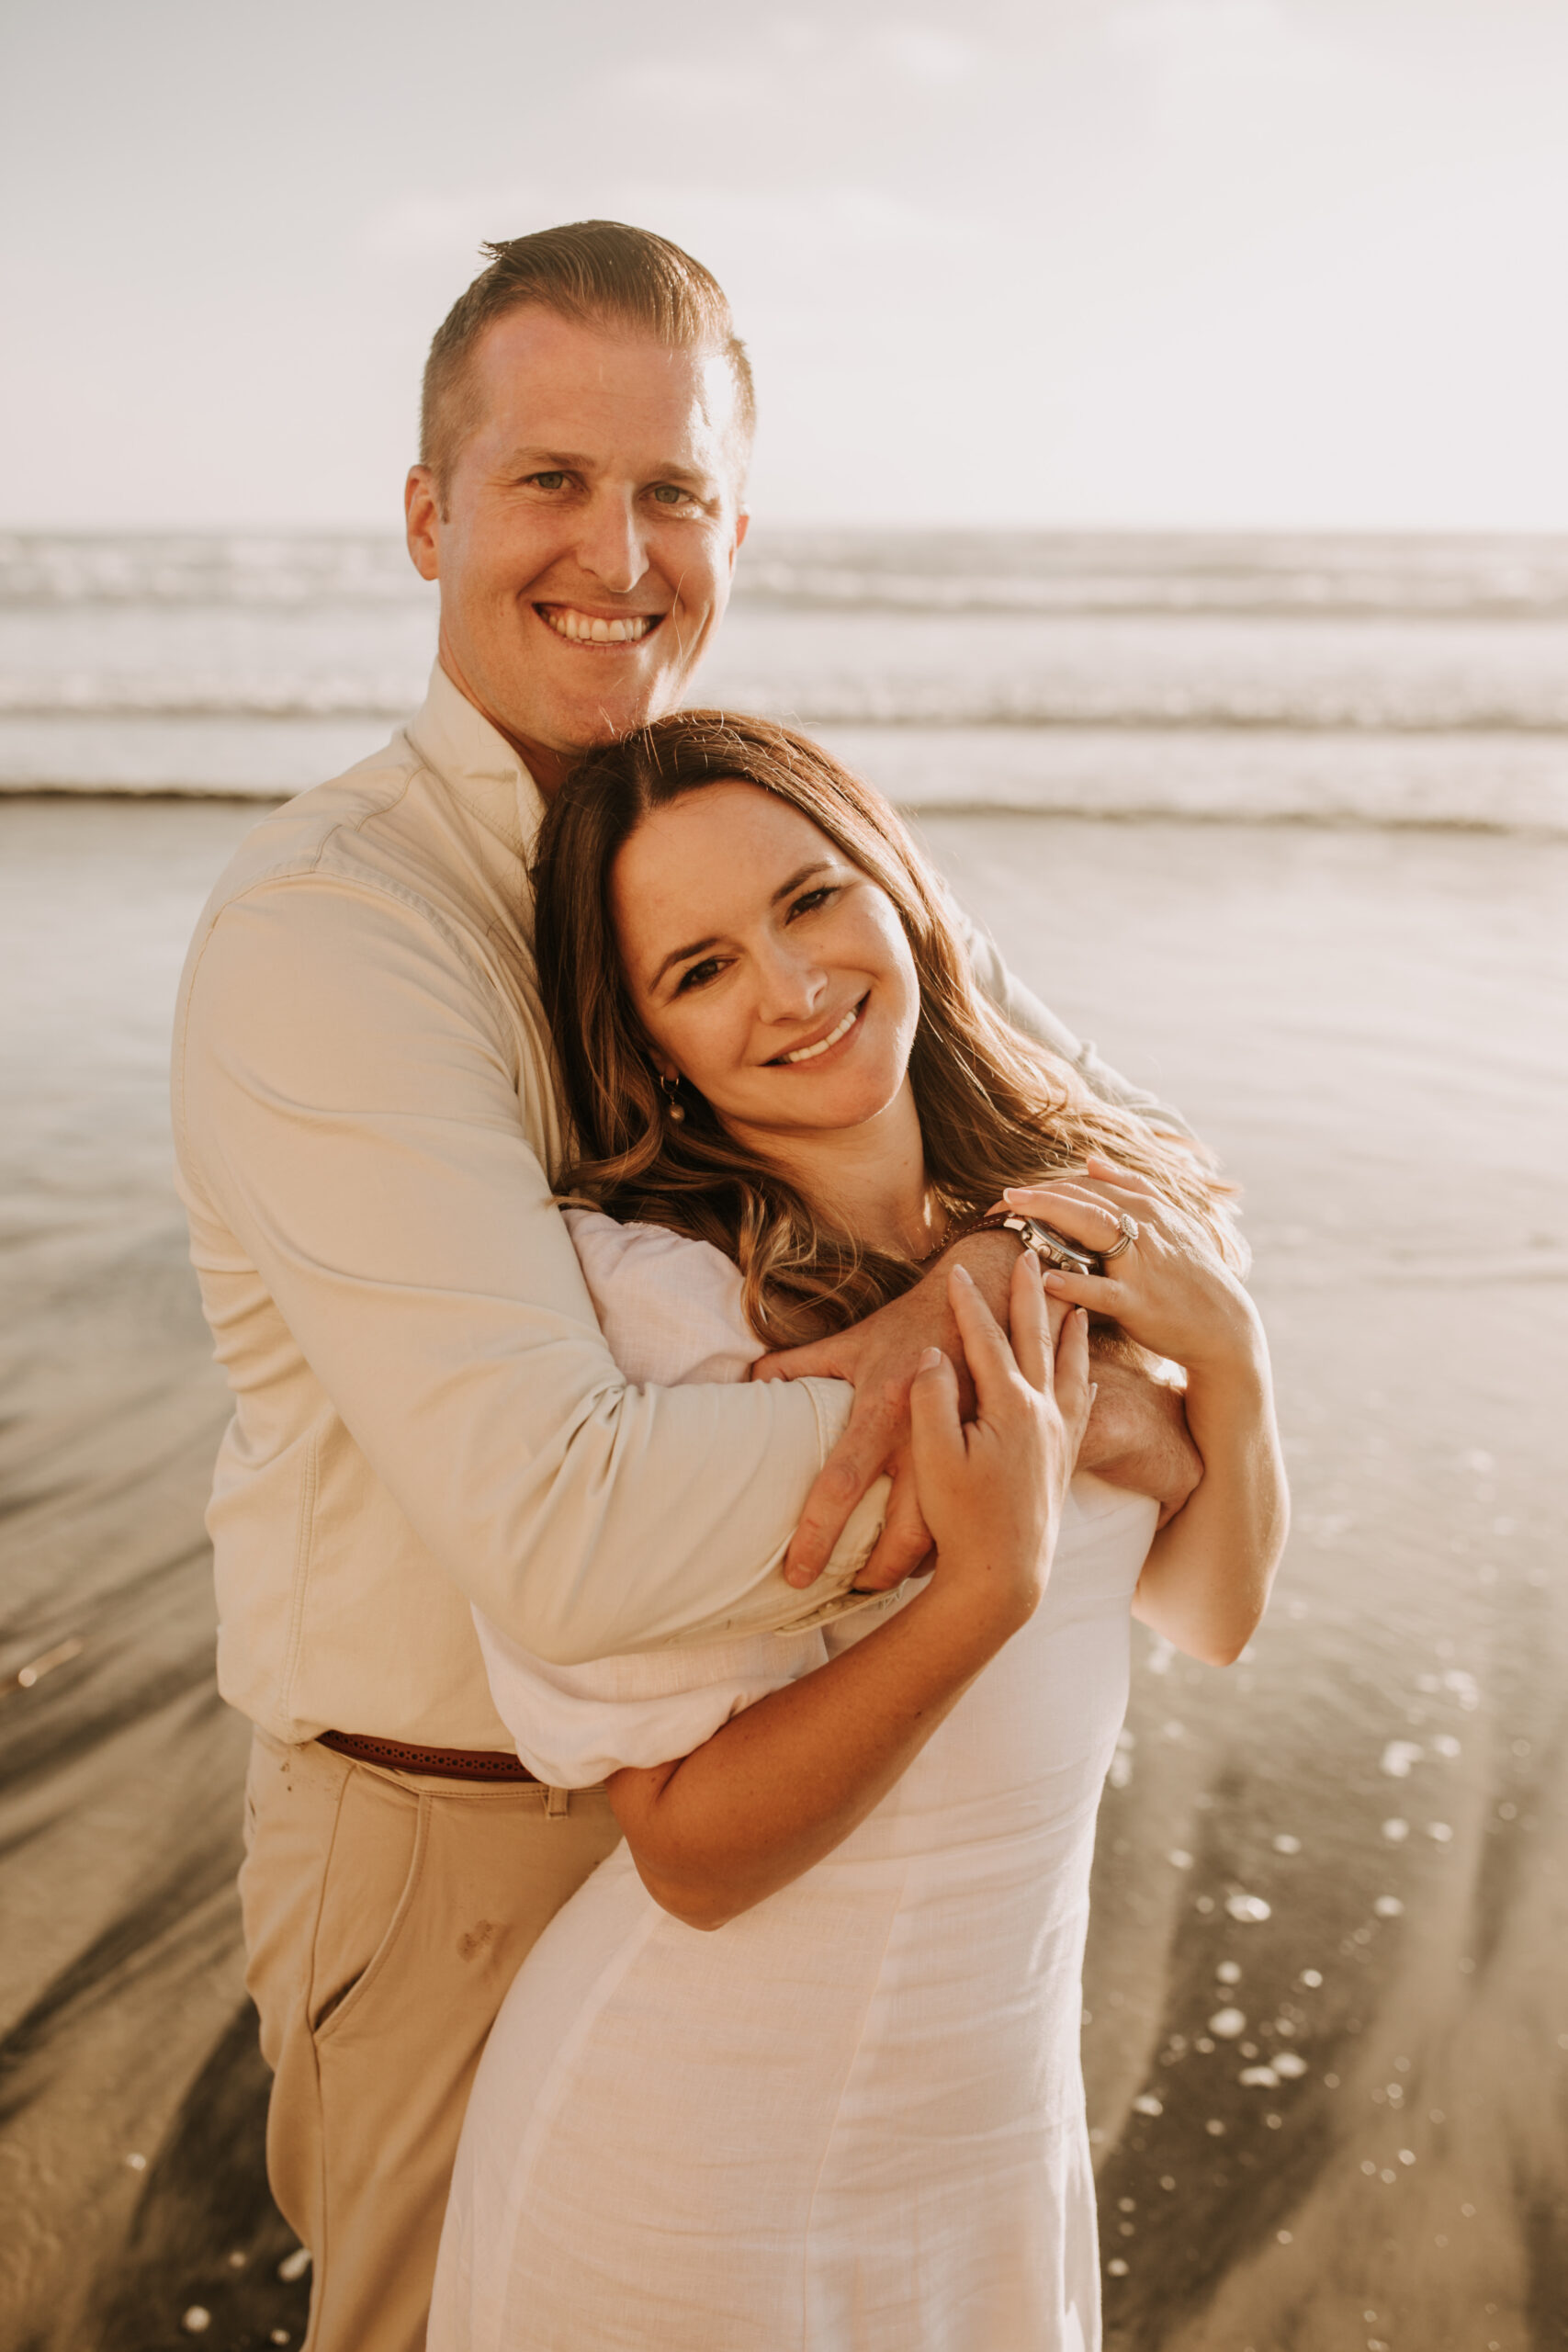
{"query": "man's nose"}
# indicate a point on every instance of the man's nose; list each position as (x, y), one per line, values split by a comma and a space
(611, 547)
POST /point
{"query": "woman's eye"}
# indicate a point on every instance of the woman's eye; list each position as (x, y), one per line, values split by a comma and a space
(809, 900)
(697, 976)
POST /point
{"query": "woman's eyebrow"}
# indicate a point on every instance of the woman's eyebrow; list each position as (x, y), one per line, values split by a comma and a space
(700, 946)
(818, 865)
(679, 956)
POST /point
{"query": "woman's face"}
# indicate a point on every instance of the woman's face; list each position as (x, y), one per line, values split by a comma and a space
(766, 969)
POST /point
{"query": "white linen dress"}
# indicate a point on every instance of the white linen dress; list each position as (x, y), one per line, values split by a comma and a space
(852, 2119)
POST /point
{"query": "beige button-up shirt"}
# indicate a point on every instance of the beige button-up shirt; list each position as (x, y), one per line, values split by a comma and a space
(425, 1412)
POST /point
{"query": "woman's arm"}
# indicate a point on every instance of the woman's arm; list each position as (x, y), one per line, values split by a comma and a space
(786, 1780)
(1206, 1579)
(1207, 1576)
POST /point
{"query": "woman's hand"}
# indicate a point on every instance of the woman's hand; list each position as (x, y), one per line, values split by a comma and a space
(1207, 1576)
(990, 1489)
(1167, 1289)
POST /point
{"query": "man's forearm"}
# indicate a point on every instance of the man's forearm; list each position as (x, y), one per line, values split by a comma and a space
(1137, 1435)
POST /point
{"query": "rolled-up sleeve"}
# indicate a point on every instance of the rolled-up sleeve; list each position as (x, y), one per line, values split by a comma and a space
(361, 1124)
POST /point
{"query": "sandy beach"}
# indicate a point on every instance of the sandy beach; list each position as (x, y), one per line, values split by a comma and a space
(1326, 2015)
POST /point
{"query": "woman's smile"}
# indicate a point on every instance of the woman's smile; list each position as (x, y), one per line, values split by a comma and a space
(815, 1050)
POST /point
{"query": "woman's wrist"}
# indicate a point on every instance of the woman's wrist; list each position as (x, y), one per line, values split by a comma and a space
(1228, 1390)
(1238, 1354)
(973, 1615)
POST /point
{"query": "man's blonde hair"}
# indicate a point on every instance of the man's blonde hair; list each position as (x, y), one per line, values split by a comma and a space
(595, 272)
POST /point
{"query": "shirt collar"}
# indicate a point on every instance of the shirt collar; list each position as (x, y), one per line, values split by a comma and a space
(477, 764)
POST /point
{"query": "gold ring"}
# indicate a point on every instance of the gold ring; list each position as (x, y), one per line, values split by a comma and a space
(1128, 1226)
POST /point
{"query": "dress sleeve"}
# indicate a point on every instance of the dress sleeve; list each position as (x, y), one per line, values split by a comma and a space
(671, 1309)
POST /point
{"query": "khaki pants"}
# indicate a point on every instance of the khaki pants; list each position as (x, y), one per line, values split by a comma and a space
(385, 1915)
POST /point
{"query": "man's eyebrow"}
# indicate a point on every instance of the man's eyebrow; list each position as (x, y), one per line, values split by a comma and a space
(545, 462)
(700, 946)
(577, 461)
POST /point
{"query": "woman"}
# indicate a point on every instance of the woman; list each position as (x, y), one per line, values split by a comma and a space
(849, 2116)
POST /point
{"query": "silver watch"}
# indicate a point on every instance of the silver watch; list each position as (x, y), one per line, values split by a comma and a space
(1052, 1248)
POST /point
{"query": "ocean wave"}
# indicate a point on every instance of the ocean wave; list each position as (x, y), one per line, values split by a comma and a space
(1285, 575)
(204, 569)
(1425, 704)
(1509, 585)
(1510, 783)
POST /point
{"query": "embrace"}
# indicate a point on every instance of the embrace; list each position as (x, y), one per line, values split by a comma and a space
(716, 1366)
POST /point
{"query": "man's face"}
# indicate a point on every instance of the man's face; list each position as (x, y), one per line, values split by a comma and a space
(590, 532)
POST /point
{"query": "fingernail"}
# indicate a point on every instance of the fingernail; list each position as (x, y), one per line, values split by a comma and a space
(1014, 1193)
(796, 1577)
(962, 1275)
(929, 1358)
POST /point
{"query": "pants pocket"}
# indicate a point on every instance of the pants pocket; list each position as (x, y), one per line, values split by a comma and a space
(370, 1889)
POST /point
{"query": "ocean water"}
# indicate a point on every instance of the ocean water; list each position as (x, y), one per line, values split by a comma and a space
(1341, 679)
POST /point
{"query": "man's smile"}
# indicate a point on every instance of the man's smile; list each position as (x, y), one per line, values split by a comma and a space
(596, 628)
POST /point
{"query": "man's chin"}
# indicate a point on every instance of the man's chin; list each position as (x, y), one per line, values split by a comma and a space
(586, 725)
(551, 743)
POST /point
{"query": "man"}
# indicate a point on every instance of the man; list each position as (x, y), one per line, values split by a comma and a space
(425, 1413)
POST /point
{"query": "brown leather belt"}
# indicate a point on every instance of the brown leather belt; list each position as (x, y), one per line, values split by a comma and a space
(441, 1763)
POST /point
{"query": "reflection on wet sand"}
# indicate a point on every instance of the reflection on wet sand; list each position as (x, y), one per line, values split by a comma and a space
(1328, 2021)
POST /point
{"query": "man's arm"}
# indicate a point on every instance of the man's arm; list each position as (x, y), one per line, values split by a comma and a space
(346, 1104)
(1137, 1434)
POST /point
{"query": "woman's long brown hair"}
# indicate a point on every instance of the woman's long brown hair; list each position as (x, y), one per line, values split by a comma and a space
(995, 1108)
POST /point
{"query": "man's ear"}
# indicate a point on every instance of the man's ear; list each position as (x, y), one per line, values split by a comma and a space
(422, 522)
(742, 525)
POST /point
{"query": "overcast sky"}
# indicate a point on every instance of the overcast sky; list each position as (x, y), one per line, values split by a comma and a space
(1191, 262)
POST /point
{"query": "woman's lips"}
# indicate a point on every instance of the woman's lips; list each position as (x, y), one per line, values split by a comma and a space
(800, 1056)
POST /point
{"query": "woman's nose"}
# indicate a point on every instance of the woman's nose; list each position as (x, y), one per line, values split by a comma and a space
(791, 985)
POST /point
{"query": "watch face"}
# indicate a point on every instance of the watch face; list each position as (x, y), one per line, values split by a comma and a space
(1055, 1249)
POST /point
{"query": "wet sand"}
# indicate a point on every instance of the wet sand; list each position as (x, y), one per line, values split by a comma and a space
(1370, 1026)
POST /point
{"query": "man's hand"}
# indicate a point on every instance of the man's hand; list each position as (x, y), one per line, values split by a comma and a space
(1137, 1434)
(880, 1358)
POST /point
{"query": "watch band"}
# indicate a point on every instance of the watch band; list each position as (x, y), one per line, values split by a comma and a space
(1053, 1249)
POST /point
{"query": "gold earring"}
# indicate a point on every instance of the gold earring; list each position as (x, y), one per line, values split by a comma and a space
(677, 1109)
